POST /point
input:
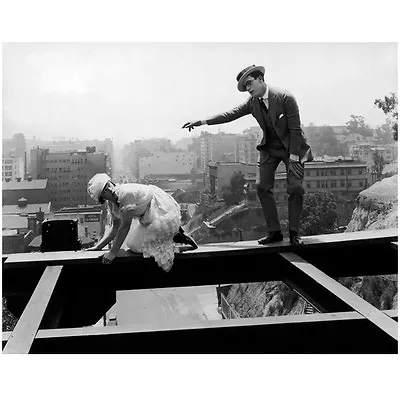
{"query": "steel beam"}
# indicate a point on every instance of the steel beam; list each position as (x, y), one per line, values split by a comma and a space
(345, 333)
(345, 295)
(24, 332)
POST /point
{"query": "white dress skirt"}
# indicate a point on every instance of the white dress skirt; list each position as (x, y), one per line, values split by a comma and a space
(152, 234)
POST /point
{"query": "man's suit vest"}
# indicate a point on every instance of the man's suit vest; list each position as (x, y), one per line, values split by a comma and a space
(272, 140)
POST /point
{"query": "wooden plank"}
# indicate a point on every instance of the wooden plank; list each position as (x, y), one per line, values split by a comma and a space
(27, 326)
(206, 250)
(357, 303)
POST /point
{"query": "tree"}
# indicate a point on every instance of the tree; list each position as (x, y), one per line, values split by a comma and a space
(378, 163)
(233, 194)
(323, 140)
(319, 215)
(389, 107)
(384, 132)
(358, 124)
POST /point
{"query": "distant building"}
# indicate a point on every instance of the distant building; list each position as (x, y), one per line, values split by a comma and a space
(68, 174)
(365, 152)
(139, 148)
(14, 242)
(220, 175)
(167, 164)
(24, 208)
(35, 191)
(340, 131)
(344, 180)
(12, 168)
(16, 223)
(72, 145)
(21, 223)
(246, 147)
(15, 152)
(210, 147)
(91, 219)
(202, 146)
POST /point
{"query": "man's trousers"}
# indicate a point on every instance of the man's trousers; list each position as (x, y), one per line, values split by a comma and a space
(269, 161)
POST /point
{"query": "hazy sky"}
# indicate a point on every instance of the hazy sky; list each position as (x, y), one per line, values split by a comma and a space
(129, 91)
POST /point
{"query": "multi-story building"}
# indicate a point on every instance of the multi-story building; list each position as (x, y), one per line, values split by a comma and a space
(210, 147)
(25, 205)
(220, 175)
(224, 147)
(138, 148)
(69, 146)
(245, 148)
(35, 191)
(344, 180)
(166, 164)
(15, 145)
(91, 219)
(12, 168)
(365, 152)
(202, 146)
(68, 174)
(14, 157)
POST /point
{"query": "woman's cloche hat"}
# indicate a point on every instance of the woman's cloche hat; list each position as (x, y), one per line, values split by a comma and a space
(96, 185)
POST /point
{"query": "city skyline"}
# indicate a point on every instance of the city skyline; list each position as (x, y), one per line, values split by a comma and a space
(128, 91)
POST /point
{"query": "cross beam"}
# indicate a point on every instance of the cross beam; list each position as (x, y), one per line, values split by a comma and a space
(24, 332)
(345, 333)
(355, 302)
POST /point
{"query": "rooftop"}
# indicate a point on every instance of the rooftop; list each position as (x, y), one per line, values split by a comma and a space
(28, 209)
(334, 164)
(23, 185)
(14, 222)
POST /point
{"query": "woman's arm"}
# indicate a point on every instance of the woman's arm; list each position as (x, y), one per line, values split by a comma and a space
(108, 237)
(125, 225)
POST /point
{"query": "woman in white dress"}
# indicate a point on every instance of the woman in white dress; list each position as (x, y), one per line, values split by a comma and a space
(144, 217)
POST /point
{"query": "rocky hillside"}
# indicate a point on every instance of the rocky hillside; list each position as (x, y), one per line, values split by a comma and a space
(376, 209)
(264, 299)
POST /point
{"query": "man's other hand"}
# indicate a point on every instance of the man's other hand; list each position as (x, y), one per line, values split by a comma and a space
(190, 125)
(296, 168)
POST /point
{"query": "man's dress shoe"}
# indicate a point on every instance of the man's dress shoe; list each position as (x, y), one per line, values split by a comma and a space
(272, 237)
(295, 239)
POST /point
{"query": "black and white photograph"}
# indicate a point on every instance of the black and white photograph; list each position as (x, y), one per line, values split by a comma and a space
(206, 197)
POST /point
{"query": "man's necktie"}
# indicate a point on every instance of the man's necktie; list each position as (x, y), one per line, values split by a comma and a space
(263, 106)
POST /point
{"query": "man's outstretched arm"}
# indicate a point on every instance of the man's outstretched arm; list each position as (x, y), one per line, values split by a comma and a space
(222, 118)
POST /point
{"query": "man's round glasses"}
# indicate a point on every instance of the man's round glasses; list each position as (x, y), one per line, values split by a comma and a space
(248, 83)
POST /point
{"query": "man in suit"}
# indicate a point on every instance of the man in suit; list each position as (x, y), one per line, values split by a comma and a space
(277, 113)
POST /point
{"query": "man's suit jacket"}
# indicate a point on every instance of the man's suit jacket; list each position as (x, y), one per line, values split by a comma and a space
(285, 119)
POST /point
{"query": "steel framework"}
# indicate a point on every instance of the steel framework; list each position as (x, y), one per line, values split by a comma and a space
(58, 296)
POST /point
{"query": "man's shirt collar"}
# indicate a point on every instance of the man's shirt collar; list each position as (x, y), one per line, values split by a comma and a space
(265, 96)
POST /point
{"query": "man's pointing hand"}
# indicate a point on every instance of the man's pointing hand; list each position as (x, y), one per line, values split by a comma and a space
(190, 125)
